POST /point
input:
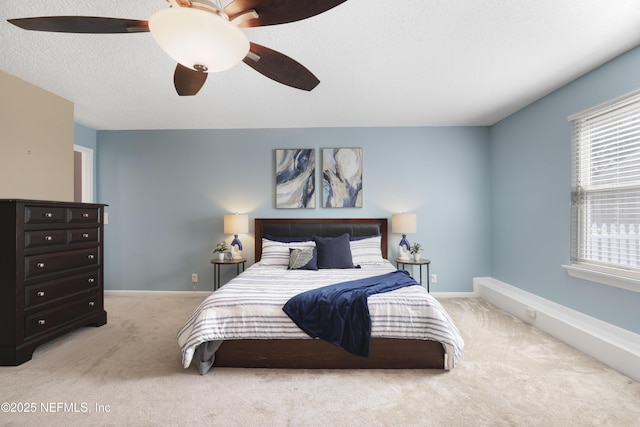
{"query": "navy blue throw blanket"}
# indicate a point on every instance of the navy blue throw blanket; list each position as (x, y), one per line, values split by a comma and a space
(339, 313)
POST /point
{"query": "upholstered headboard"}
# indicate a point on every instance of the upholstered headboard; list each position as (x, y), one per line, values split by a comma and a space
(324, 227)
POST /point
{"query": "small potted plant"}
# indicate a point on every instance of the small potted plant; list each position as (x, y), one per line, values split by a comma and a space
(415, 250)
(221, 249)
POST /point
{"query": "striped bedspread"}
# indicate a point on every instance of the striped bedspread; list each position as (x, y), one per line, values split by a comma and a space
(250, 307)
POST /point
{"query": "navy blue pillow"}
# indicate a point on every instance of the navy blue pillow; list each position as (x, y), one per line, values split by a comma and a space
(287, 239)
(334, 252)
(356, 238)
(303, 259)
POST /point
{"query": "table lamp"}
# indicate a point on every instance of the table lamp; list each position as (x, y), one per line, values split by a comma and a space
(404, 224)
(236, 224)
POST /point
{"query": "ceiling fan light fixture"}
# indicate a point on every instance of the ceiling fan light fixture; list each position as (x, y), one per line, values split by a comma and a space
(199, 39)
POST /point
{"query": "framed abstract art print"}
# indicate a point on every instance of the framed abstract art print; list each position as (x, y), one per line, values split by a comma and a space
(342, 177)
(295, 175)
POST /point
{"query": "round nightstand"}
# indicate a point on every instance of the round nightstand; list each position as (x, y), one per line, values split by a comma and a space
(420, 262)
(216, 268)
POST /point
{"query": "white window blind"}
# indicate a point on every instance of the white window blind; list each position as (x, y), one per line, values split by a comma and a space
(606, 188)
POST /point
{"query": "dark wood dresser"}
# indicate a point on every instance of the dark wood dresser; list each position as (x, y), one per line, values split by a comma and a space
(51, 273)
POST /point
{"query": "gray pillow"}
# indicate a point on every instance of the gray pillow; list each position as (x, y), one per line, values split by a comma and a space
(303, 259)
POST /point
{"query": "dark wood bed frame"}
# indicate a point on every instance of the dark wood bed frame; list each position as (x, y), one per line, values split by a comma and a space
(385, 353)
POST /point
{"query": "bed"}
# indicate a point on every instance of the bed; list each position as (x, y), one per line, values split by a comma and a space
(243, 324)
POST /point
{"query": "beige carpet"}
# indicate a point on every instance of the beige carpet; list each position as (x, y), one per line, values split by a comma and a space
(128, 373)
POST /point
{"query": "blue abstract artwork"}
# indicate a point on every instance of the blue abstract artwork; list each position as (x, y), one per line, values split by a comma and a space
(342, 177)
(295, 178)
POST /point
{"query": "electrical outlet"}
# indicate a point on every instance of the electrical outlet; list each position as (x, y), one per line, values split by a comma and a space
(194, 278)
(434, 278)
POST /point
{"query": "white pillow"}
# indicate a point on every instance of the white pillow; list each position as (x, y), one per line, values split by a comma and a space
(367, 250)
(277, 253)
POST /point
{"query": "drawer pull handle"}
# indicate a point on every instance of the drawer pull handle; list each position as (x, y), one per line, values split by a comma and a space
(40, 293)
(85, 235)
(91, 280)
(48, 238)
(91, 256)
(91, 303)
(48, 215)
(41, 322)
(85, 215)
(40, 265)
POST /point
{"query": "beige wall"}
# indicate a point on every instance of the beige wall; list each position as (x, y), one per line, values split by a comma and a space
(36, 142)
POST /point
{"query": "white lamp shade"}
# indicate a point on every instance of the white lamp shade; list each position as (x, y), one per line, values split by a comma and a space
(403, 223)
(198, 37)
(236, 224)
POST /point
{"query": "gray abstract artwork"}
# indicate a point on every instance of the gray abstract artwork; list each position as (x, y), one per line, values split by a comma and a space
(342, 177)
(295, 178)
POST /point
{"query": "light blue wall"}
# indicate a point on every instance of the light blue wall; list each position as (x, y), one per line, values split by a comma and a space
(168, 191)
(84, 136)
(530, 179)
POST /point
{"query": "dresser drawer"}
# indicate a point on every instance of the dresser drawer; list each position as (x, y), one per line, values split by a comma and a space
(44, 215)
(83, 235)
(38, 265)
(55, 290)
(35, 239)
(48, 319)
(77, 215)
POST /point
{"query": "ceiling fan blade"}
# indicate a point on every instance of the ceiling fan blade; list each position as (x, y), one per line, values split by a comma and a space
(271, 12)
(187, 81)
(280, 67)
(81, 24)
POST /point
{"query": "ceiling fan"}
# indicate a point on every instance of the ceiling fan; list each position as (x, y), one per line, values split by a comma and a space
(204, 37)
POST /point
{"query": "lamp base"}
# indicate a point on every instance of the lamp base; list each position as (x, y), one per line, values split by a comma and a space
(403, 253)
(236, 251)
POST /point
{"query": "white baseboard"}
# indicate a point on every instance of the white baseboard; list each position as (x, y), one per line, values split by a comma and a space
(204, 294)
(443, 295)
(616, 347)
(117, 292)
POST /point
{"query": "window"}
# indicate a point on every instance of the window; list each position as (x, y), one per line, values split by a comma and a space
(605, 197)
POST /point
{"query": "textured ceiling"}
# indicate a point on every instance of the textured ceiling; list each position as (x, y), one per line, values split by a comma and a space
(401, 63)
